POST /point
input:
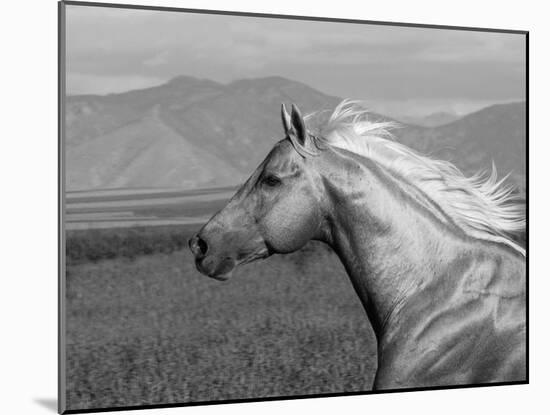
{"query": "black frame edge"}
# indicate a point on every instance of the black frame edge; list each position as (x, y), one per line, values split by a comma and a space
(287, 398)
(61, 363)
(527, 120)
(289, 17)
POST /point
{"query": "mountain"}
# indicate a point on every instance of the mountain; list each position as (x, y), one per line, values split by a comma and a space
(186, 133)
(431, 120)
(191, 133)
(496, 133)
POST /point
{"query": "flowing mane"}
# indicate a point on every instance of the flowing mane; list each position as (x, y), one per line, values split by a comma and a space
(481, 205)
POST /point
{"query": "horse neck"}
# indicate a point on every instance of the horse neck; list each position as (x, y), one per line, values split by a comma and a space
(386, 233)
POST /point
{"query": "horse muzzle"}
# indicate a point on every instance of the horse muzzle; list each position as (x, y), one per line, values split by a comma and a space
(213, 266)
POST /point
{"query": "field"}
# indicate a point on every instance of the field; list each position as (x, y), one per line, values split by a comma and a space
(142, 207)
(144, 327)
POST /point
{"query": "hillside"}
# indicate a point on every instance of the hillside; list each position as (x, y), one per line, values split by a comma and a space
(431, 120)
(187, 133)
(192, 133)
(495, 133)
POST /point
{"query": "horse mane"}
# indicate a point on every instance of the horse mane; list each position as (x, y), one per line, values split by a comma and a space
(482, 206)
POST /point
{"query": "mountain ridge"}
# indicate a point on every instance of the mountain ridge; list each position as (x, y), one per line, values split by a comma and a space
(192, 132)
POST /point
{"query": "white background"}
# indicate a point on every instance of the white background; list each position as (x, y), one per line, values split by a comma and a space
(28, 237)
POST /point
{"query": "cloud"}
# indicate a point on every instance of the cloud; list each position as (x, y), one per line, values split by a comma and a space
(158, 59)
(335, 57)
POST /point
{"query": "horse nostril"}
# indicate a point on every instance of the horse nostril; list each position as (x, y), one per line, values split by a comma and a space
(202, 245)
(198, 246)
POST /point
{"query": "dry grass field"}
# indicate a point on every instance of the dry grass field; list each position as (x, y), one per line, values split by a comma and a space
(144, 327)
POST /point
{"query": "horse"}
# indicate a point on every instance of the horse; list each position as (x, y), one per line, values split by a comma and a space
(428, 250)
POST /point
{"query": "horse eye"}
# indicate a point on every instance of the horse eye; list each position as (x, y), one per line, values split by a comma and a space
(271, 181)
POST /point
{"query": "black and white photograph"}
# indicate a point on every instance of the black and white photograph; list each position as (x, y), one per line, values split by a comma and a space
(258, 207)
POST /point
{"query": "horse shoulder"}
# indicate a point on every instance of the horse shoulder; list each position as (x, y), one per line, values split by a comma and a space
(466, 326)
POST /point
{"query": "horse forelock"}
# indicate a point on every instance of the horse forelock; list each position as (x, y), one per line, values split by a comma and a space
(482, 205)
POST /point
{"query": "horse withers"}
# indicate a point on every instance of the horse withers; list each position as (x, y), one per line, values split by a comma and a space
(427, 249)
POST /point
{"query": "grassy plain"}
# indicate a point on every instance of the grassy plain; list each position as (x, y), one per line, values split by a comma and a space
(144, 327)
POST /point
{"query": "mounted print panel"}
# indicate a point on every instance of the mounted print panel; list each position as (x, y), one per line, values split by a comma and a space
(269, 207)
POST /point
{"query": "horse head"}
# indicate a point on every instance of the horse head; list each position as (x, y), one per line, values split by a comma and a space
(276, 210)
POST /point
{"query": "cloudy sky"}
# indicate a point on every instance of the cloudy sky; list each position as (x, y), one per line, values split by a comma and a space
(397, 70)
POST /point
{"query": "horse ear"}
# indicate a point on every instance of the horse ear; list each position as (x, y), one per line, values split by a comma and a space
(286, 119)
(298, 124)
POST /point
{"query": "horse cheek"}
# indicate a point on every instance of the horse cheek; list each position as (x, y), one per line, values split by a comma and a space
(286, 230)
